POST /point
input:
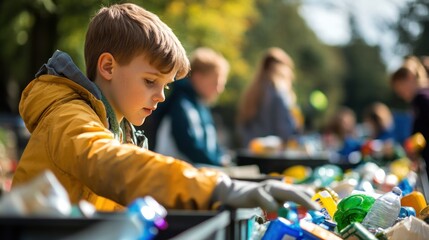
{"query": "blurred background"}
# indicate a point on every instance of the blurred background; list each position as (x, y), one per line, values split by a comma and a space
(344, 50)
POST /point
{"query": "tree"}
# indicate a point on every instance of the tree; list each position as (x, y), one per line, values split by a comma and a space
(413, 28)
(31, 32)
(366, 78)
(365, 81)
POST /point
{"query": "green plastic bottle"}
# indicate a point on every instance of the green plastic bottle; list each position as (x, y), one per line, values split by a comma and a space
(352, 209)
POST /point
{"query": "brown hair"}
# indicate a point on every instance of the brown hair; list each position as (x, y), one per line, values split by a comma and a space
(379, 114)
(269, 72)
(206, 60)
(343, 123)
(126, 31)
(412, 66)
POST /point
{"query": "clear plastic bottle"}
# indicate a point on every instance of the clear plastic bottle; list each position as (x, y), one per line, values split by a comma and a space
(384, 212)
(42, 196)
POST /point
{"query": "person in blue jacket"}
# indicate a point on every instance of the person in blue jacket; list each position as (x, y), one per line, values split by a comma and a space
(186, 129)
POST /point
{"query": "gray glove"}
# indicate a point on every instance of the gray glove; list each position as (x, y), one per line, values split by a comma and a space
(269, 194)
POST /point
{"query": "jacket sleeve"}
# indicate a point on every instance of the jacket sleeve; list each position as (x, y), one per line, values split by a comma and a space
(188, 133)
(81, 146)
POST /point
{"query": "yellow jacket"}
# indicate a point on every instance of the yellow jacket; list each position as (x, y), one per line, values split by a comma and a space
(70, 136)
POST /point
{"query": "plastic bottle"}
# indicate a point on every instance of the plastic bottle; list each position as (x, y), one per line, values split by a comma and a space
(384, 212)
(415, 143)
(42, 196)
(352, 209)
(415, 200)
(406, 212)
(281, 228)
(405, 186)
(148, 215)
(140, 221)
(325, 200)
(326, 174)
(424, 214)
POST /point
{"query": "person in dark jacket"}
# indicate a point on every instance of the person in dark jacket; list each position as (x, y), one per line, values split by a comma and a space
(410, 82)
(186, 128)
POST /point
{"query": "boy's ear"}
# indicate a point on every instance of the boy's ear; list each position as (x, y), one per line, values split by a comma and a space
(105, 65)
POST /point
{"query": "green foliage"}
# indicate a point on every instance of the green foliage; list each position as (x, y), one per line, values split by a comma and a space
(366, 78)
(413, 28)
(240, 29)
(212, 23)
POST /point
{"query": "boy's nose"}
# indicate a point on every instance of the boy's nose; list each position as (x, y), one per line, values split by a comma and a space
(159, 96)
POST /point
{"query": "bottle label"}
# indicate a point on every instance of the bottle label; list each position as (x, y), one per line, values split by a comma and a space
(323, 209)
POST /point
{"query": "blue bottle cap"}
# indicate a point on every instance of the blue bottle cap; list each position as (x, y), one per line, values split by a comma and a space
(406, 212)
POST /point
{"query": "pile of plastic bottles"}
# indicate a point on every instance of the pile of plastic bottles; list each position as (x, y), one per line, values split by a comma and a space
(354, 206)
(370, 201)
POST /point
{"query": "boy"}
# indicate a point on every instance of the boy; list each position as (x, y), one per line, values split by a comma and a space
(81, 126)
(187, 129)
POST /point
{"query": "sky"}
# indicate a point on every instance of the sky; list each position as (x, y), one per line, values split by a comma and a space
(329, 20)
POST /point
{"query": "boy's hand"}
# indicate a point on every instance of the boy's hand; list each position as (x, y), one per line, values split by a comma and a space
(269, 194)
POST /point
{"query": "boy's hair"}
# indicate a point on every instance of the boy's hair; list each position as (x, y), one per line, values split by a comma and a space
(126, 31)
(205, 60)
(411, 66)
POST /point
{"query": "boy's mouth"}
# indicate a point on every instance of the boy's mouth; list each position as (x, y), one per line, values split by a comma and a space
(149, 110)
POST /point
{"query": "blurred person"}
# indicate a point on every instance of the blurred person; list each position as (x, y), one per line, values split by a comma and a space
(410, 82)
(378, 120)
(268, 105)
(186, 127)
(343, 127)
(82, 125)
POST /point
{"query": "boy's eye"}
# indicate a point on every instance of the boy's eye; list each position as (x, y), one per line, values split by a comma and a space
(167, 87)
(149, 81)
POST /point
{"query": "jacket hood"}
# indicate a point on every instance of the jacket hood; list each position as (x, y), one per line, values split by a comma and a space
(57, 81)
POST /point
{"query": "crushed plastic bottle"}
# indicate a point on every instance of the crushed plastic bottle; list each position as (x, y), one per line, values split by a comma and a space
(42, 196)
(384, 211)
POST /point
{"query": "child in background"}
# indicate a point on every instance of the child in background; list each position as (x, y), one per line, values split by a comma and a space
(378, 120)
(186, 127)
(82, 126)
(268, 106)
(343, 127)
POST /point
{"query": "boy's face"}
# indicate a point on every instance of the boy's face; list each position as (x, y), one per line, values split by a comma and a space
(209, 85)
(135, 89)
